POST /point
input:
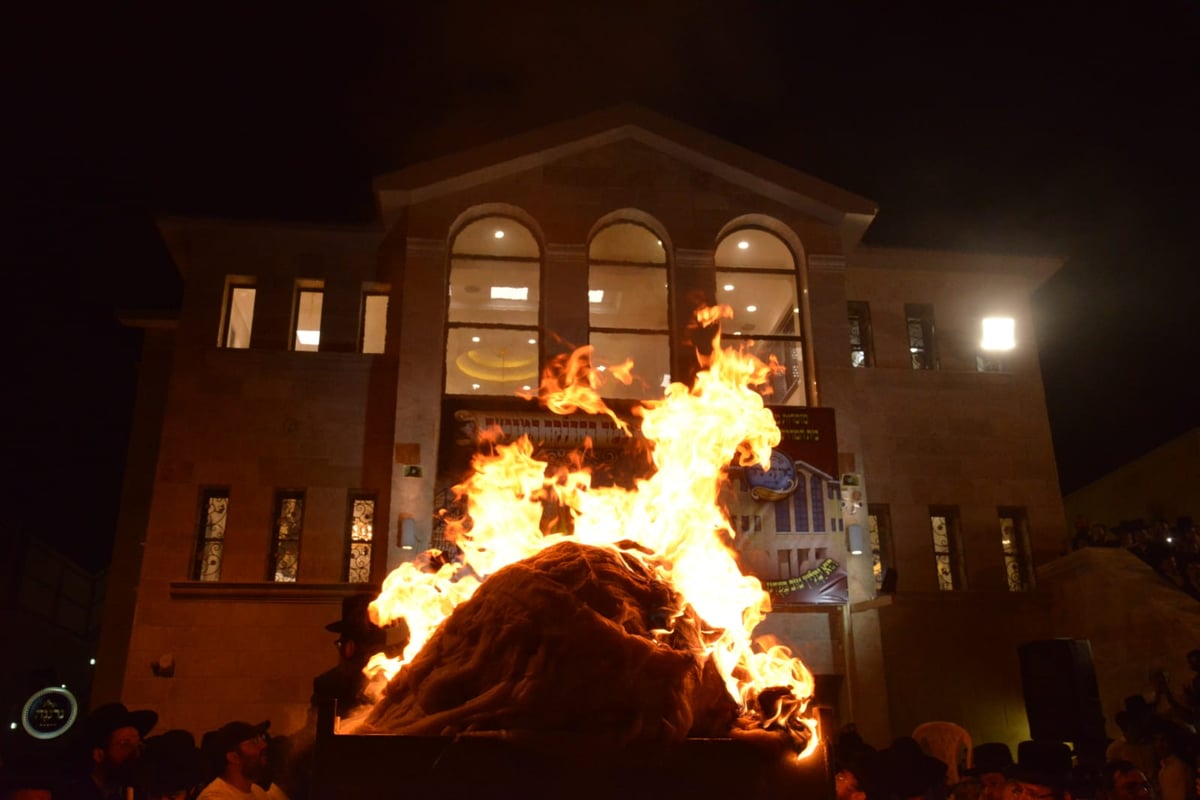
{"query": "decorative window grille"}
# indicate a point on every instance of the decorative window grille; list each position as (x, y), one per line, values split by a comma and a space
(921, 343)
(210, 539)
(879, 525)
(943, 524)
(862, 350)
(360, 535)
(285, 540)
(1014, 538)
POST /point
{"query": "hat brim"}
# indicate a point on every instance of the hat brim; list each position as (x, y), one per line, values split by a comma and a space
(1053, 779)
(143, 720)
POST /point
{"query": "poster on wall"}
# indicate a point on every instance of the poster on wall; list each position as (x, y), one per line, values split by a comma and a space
(788, 517)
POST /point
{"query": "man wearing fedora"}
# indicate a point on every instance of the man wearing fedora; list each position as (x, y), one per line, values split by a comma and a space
(237, 753)
(358, 640)
(991, 761)
(1043, 771)
(112, 736)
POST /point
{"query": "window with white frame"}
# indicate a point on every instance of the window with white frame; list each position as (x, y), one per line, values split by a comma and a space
(627, 309)
(756, 278)
(492, 329)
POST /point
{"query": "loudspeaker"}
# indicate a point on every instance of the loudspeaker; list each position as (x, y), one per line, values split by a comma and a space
(1062, 698)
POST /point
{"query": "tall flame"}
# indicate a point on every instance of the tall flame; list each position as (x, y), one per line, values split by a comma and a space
(674, 514)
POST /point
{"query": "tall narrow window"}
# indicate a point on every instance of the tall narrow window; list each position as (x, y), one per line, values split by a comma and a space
(373, 334)
(210, 538)
(785, 564)
(627, 308)
(307, 331)
(360, 535)
(943, 524)
(921, 343)
(862, 346)
(237, 318)
(756, 277)
(879, 526)
(1014, 542)
(817, 484)
(285, 539)
(492, 332)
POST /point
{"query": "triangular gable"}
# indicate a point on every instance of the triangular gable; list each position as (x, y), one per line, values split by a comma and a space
(739, 166)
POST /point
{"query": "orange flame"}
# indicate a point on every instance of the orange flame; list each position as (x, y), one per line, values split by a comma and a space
(674, 513)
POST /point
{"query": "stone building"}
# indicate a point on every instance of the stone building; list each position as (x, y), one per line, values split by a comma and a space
(296, 424)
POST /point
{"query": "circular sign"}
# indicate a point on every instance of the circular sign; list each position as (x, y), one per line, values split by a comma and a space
(49, 713)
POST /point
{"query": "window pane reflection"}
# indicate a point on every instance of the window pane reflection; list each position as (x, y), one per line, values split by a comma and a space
(490, 292)
(633, 297)
(763, 303)
(651, 354)
(491, 361)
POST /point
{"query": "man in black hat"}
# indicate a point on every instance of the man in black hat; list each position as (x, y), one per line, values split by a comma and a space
(991, 760)
(113, 737)
(172, 767)
(237, 752)
(358, 640)
(1042, 771)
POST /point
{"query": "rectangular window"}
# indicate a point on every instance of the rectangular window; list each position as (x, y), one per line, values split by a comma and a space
(785, 564)
(285, 537)
(237, 317)
(1014, 541)
(360, 535)
(802, 556)
(879, 526)
(307, 328)
(374, 322)
(921, 343)
(862, 346)
(210, 536)
(944, 525)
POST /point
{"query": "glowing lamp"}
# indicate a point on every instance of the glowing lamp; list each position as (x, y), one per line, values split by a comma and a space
(595, 295)
(857, 540)
(998, 334)
(408, 533)
(743, 245)
(510, 292)
(308, 338)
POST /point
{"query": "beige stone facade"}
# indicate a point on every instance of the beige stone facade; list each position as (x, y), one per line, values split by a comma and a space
(256, 421)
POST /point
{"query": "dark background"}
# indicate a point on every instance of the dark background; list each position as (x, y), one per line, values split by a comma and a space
(1060, 128)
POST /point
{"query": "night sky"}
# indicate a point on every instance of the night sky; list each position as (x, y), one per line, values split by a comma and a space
(1049, 128)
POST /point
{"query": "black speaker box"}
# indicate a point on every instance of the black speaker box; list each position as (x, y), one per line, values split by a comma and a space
(1062, 698)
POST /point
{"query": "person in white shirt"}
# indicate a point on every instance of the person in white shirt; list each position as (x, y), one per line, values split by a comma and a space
(238, 754)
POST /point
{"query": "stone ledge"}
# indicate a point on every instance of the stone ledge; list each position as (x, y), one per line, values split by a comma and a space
(268, 591)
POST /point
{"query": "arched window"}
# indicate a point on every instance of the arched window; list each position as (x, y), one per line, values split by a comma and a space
(627, 307)
(756, 277)
(491, 336)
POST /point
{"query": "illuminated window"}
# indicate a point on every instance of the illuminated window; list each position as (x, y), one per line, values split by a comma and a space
(862, 347)
(306, 331)
(879, 526)
(492, 332)
(999, 337)
(237, 318)
(373, 334)
(944, 526)
(921, 344)
(627, 308)
(360, 535)
(285, 539)
(756, 278)
(1014, 542)
(210, 538)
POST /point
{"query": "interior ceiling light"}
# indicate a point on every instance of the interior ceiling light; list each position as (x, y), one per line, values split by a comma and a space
(533, 341)
(474, 338)
(752, 309)
(595, 295)
(728, 287)
(308, 338)
(998, 333)
(510, 292)
(499, 234)
(743, 245)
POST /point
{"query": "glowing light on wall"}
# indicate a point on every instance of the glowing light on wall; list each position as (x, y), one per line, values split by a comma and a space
(998, 334)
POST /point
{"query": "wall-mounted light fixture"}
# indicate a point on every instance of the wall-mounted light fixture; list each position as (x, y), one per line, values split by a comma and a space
(857, 539)
(408, 533)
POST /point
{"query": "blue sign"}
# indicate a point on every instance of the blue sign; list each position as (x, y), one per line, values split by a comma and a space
(49, 713)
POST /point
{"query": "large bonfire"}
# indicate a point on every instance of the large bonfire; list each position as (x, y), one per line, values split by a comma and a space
(636, 625)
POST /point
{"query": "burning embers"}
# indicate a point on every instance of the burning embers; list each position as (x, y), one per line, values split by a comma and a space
(636, 625)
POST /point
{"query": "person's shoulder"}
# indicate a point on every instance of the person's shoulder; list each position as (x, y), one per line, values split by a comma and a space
(273, 793)
(219, 790)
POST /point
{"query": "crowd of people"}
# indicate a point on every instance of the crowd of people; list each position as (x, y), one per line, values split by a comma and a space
(1155, 757)
(1172, 550)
